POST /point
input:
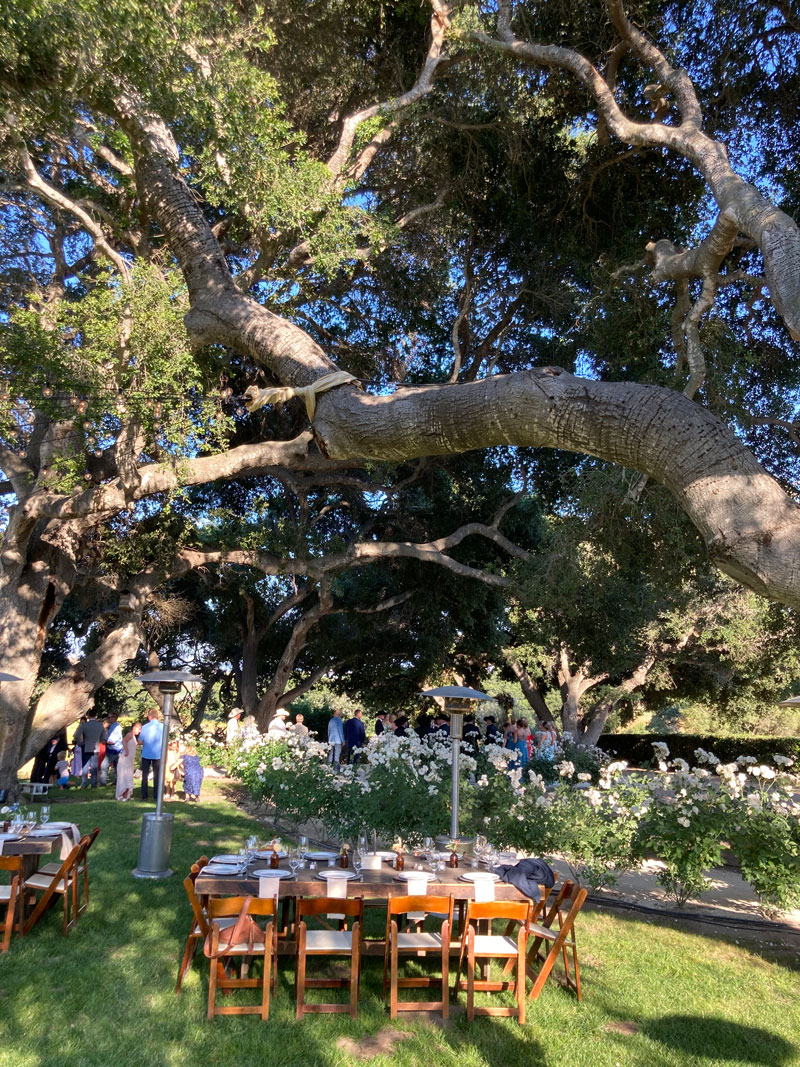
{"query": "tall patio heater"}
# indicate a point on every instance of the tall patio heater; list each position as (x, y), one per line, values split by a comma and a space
(156, 838)
(458, 699)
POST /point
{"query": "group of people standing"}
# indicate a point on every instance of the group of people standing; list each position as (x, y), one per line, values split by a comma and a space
(100, 745)
(347, 737)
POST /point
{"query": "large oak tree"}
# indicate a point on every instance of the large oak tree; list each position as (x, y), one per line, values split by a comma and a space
(508, 225)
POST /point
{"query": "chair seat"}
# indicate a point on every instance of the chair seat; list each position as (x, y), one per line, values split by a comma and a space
(495, 945)
(329, 941)
(542, 931)
(5, 892)
(43, 881)
(52, 868)
(244, 947)
(422, 941)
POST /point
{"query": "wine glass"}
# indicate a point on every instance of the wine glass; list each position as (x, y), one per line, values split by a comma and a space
(302, 843)
(294, 861)
(16, 822)
(244, 859)
(251, 846)
(358, 862)
(44, 814)
(363, 845)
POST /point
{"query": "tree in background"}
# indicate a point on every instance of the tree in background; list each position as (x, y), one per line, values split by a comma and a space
(519, 225)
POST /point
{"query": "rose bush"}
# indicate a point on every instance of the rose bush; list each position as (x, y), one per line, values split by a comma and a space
(602, 821)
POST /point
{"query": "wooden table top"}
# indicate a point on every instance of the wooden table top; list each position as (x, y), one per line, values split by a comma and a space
(373, 885)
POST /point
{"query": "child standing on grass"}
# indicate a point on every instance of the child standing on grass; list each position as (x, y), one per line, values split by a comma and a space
(192, 773)
(62, 771)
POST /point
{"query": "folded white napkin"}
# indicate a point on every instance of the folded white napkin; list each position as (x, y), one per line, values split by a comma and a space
(418, 887)
(337, 887)
(484, 887)
(268, 885)
(69, 839)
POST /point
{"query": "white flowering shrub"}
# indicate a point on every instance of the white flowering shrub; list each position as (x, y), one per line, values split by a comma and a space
(752, 806)
(603, 821)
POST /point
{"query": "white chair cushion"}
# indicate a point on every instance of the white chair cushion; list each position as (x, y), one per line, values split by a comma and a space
(329, 941)
(5, 892)
(244, 947)
(422, 942)
(42, 881)
(494, 945)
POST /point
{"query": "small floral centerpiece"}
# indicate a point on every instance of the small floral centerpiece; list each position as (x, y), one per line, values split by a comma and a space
(453, 846)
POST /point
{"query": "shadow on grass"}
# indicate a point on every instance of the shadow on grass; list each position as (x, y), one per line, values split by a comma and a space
(719, 1039)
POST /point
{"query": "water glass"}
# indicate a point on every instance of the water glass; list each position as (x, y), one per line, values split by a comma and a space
(30, 817)
(302, 843)
(294, 861)
(251, 845)
(44, 814)
(358, 863)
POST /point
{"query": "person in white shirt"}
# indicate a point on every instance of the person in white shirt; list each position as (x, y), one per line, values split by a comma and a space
(113, 749)
(232, 727)
(277, 724)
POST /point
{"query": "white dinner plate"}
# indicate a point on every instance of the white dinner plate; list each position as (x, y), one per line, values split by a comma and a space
(220, 868)
(384, 855)
(225, 859)
(336, 875)
(9, 837)
(406, 876)
(59, 825)
(266, 853)
(270, 872)
(43, 833)
(477, 876)
(317, 856)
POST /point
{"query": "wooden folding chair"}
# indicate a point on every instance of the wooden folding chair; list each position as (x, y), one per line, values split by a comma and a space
(82, 872)
(199, 928)
(478, 948)
(220, 908)
(419, 943)
(9, 895)
(561, 940)
(63, 883)
(328, 942)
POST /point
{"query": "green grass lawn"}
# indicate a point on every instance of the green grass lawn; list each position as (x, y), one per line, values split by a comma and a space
(653, 994)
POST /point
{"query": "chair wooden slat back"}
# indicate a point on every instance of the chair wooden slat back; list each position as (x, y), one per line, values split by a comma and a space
(8, 899)
(561, 941)
(63, 883)
(221, 908)
(327, 942)
(420, 944)
(480, 948)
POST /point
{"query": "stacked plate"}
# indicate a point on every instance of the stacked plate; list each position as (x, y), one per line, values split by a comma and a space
(271, 872)
(478, 876)
(334, 874)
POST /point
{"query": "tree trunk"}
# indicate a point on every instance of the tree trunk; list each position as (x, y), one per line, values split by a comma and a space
(530, 690)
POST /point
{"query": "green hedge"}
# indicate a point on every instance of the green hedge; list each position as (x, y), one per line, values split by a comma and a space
(637, 749)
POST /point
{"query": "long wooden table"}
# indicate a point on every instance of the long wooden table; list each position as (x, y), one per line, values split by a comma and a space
(372, 886)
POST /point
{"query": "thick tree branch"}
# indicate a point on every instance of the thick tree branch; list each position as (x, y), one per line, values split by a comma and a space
(57, 199)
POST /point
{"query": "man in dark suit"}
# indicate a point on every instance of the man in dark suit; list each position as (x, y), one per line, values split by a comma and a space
(355, 735)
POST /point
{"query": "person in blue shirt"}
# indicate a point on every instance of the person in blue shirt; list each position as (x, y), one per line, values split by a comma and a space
(355, 735)
(150, 739)
(335, 737)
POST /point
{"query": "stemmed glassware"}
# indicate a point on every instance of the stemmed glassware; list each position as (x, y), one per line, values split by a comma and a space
(302, 844)
(358, 862)
(17, 822)
(44, 814)
(295, 860)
